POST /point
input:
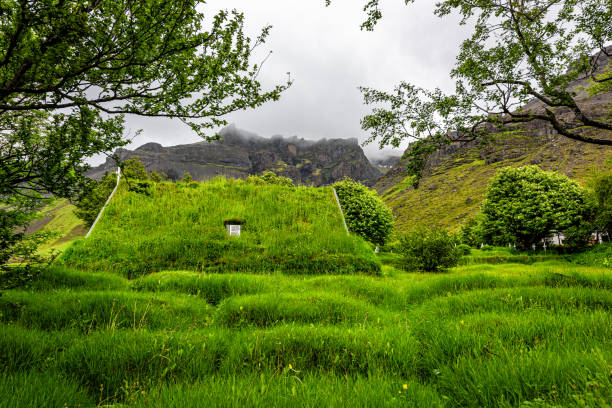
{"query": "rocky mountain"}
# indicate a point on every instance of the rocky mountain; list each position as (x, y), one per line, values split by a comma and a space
(455, 178)
(240, 154)
(386, 163)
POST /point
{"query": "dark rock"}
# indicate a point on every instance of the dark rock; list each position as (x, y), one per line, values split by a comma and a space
(536, 160)
(151, 147)
(385, 164)
(240, 154)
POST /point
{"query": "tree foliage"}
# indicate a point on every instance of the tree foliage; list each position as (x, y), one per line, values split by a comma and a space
(602, 191)
(15, 245)
(92, 198)
(470, 233)
(519, 51)
(133, 169)
(153, 58)
(429, 249)
(524, 205)
(70, 71)
(365, 213)
(155, 177)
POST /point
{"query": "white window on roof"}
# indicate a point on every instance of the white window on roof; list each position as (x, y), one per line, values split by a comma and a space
(233, 230)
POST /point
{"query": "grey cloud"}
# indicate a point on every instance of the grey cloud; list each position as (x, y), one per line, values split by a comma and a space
(329, 57)
(233, 132)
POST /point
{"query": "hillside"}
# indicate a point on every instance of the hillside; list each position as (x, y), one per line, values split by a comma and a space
(58, 217)
(455, 178)
(296, 230)
(240, 154)
(455, 183)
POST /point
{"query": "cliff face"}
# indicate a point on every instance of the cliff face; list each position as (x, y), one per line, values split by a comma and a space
(240, 154)
(455, 177)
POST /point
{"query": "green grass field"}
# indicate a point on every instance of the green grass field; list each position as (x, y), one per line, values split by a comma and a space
(90, 331)
(478, 335)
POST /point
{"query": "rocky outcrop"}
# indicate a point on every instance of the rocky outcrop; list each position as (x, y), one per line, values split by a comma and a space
(386, 163)
(240, 154)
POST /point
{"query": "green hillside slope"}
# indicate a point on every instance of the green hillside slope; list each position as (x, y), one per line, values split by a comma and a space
(455, 179)
(58, 217)
(295, 230)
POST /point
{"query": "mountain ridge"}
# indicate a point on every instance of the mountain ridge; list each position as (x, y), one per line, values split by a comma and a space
(240, 154)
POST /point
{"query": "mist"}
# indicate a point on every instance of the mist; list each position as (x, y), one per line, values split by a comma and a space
(232, 132)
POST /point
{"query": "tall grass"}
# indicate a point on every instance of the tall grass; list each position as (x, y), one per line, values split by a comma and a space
(37, 389)
(180, 226)
(88, 311)
(479, 335)
(291, 388)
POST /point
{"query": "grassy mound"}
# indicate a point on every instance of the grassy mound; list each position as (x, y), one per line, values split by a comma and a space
(480, 335)
(293, 230)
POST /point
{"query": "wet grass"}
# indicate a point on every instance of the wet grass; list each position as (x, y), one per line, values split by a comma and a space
(478, 335)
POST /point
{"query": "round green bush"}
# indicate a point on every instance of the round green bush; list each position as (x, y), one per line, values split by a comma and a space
(365, 213)
(429, 250)
(464, 249)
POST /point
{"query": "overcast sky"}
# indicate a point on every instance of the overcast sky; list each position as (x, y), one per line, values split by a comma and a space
(329, 57)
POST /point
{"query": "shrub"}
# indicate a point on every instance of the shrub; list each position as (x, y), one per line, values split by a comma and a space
(268, 177)
(155, 177)
(578, 237)
(133, 169)
(471, 233)
(602, 193)
(365, 213)
(429, 249)
(464, 249)
(141, 187)
(94, 196)
(187, 177)
(524, 205)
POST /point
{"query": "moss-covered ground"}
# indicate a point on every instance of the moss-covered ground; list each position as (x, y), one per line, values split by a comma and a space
(59, 218)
